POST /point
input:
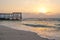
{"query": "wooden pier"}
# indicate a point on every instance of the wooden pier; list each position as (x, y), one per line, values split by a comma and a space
(11, 16)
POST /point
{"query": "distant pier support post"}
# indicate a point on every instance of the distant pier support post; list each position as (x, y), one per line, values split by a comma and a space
(17, 16)
(20, 16)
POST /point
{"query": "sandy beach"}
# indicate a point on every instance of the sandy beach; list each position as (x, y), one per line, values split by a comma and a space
(12, 34)
(13, 31)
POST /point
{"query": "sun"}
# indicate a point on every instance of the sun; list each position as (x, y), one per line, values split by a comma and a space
(43, 10)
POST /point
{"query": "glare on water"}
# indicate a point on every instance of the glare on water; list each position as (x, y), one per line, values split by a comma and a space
(51, 31)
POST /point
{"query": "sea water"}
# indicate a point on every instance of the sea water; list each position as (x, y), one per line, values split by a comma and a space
(45, 29)
(51, 29)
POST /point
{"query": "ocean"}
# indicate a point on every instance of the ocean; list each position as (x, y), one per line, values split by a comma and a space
(45, 29)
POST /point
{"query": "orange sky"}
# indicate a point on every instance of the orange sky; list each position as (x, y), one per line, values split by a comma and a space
(52, 7)
(29, 5)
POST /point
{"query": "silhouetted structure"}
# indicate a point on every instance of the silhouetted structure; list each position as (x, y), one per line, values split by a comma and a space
(11, 16)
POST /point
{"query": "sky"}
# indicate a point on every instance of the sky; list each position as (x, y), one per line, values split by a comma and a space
(51, 6)
(29, 5)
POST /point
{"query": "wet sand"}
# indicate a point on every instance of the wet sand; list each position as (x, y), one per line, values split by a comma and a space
(7, 33)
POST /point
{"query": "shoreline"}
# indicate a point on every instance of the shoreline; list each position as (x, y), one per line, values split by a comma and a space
(12, 34)
(16, 25)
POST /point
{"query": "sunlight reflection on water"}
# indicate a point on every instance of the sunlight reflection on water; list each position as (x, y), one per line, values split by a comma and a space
(46, 32)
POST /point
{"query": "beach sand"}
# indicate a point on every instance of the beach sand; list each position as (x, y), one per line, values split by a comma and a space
(12, 34)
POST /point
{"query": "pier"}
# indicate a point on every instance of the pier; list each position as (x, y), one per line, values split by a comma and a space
(11, 16)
